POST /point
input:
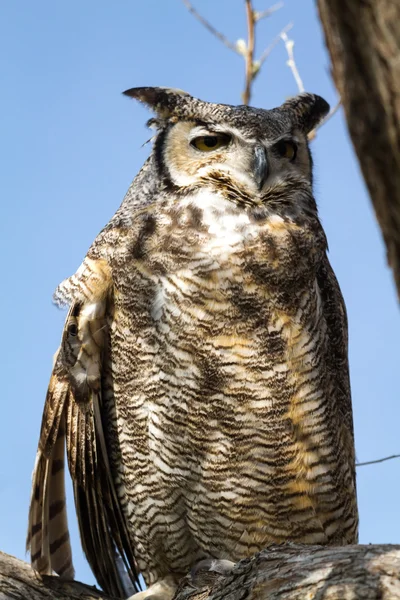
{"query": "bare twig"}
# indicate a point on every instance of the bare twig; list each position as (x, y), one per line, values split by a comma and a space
(379, 460)
(272, 45)
(258, 15)
(222, 38)
(249, 56)
(241, 47)
(291, 63)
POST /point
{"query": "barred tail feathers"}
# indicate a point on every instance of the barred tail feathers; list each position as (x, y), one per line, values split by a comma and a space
(48, 535)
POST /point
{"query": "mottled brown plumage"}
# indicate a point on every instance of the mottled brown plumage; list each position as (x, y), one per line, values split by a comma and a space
(202, 381)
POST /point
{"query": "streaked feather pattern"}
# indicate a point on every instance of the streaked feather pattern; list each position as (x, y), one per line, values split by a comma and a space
(48, 537)
(202, 382)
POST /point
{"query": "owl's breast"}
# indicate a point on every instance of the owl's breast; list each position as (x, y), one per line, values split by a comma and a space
(211, 238)
(229, 393)
(224, 387)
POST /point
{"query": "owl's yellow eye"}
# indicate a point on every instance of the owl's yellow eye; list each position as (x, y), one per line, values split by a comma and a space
(208, 143)
(287, 149)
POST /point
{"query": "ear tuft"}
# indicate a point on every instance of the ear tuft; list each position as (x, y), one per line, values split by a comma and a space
(162, 100)
(306, 110)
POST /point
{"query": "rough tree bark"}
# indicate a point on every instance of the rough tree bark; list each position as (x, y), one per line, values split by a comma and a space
(286, 572)
(363, 39)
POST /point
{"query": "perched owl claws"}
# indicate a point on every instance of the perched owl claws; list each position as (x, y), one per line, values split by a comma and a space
(223, 567)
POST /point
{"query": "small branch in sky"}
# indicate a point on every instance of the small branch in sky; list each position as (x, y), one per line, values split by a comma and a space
(272, 45)
(291, 63)
(249, 52)
(242, 47)
(379, 460)
(210, 27)
(262, 14)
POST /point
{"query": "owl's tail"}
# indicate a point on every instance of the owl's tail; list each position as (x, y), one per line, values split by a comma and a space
(48, 536)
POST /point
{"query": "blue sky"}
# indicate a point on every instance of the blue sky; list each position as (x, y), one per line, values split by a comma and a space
(70, 145)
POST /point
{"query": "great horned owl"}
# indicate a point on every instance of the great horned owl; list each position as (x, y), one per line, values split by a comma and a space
(202, 381)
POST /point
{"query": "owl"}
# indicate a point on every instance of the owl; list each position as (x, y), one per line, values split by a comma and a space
(201, 386)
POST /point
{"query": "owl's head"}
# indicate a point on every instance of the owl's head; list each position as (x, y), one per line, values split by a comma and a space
(252, 156)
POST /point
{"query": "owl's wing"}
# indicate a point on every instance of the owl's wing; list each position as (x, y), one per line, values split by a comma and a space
(74, 415)
(336, 320)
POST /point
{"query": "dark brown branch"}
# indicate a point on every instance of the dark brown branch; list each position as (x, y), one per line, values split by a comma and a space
(19, 582)
(286, 572)
(363, 39)
(292, 572)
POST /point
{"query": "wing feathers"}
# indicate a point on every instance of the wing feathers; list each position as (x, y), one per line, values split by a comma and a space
(58, 534)
(114, 513)
(73, 416)
(54, 407)
(48, 537)
(92, 279)
(101, 523)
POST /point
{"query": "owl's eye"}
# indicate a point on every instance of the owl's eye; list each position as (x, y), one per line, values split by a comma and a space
(208, 143)
(72, 328)
(286, 149)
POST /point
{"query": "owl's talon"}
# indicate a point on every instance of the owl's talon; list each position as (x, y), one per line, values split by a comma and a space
(223, 567)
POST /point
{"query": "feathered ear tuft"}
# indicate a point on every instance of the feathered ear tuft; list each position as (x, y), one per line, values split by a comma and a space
(163, 101)
(306, 110)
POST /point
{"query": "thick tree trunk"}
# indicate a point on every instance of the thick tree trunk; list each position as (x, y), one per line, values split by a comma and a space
(363, 39)
(286, 572)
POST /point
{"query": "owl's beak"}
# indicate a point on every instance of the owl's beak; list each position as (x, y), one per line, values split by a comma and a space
(260, 166)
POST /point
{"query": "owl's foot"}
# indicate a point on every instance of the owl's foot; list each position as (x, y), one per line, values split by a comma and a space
(223, 567)
(162, 590)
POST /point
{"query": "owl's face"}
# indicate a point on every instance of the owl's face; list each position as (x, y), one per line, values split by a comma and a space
(251, 156)
(204, 153)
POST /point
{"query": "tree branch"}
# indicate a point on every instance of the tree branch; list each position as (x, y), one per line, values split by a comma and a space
(222, 38)
(249, 57)
(272, 45)
(19, 582)
(378, 460)
(241, 47)
(363, 39)
(291, 63)
(281, 572)
(258, 15)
